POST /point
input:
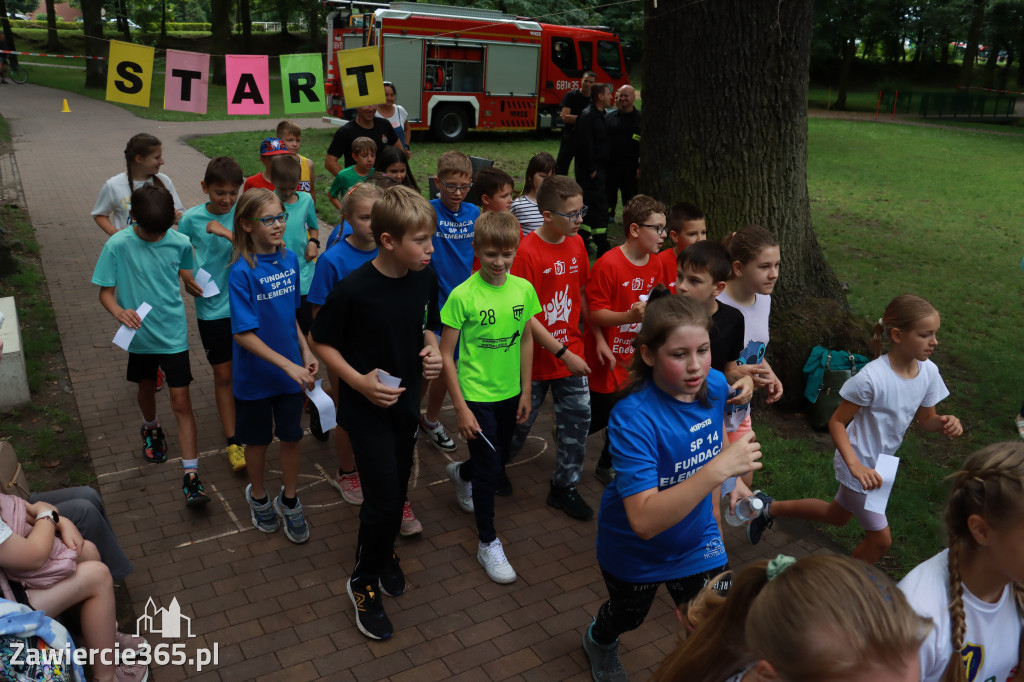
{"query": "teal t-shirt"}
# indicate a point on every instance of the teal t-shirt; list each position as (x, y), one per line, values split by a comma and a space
(301, 214)
(147, 272)
(491, 321)
(213, 254)
(345, 179)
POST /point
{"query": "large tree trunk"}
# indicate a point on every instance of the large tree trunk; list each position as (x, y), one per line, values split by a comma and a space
(95, 45)
(973, 36)
(845, 70)
(220, 11)
(52, 39)
(736, 145)
(245, 19)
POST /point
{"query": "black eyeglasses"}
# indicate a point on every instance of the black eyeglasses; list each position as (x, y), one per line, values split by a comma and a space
(455, 188)
(660, 229)
(573, 217)
(270, 220)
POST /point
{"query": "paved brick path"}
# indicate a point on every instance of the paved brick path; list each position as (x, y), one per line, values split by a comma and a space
(275, 610)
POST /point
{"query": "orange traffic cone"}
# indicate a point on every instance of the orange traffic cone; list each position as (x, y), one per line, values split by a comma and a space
(65, 109)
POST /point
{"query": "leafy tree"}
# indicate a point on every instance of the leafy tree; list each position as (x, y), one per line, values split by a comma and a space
(19, 6)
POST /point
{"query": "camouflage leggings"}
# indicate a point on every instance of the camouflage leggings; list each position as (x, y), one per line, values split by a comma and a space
(571, 396)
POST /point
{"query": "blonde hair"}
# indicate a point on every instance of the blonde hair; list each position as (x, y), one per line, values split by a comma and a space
(362, 144)
(453, 161)
(399, 211)
(363, 190)
(496, 229)
(251, 203)
(820, 618)
(902, 313)
(990, 485)
(287, 127)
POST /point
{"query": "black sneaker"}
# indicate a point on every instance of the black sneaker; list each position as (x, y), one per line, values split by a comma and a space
(605, 665)
(504, 488)
(604, 474)
(370, 617)
(195, 496)
(154, 446)
(439, 437)
(760, 523)
(314, 423)
(568, 500)
(392, 580)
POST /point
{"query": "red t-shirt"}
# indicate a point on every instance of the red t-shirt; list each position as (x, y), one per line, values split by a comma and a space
(668, 261)
(559, 273)
(616, 284)
(257, 181)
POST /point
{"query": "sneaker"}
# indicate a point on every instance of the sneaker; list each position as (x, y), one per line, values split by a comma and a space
(463, 489)
(392, 580)
(761, 523)
(439, 438)
(504, 488)
(492, 557)
(155, 447)
(263, 516)
(314, 422)
(295, 526)
(131, 673)
(568, 500)
(410, 524)
(236, 457)
(605, 665)
(349, 486)
(604, 474)
(195, 496)
(370, 617)
(128, 642)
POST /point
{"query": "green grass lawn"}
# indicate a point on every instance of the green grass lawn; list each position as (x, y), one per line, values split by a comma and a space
(897, 209)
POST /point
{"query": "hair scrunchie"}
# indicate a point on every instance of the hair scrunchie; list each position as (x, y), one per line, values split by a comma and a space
(777, 565)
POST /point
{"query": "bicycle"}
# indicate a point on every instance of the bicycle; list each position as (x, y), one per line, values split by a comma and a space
(17, 74)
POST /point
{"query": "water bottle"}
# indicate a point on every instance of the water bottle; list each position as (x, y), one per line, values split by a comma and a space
(747, 509)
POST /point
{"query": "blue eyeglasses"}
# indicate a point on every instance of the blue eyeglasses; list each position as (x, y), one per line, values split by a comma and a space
(573, 217)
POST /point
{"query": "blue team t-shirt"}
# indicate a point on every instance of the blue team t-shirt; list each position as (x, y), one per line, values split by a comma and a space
(340, 231)
(657, 441)
(453, 247)
(213, 254)
(147, 272)
(301, 215)
(332, 266)
(264, 300)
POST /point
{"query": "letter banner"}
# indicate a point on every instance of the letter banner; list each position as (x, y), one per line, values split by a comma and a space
(130, 73)
(302, 83)
(362, 81)
(248, 84)
(187, 82)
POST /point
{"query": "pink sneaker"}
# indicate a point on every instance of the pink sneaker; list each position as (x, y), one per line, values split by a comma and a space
(410, 524)
(126, 641)
(350, 488)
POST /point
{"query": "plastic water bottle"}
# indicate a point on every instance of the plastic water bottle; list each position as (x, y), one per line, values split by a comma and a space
(747, 509)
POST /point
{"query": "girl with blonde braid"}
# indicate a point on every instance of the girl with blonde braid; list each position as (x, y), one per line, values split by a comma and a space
(972, 590)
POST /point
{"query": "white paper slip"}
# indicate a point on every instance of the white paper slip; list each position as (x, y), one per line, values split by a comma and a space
(644, 297)
(206, 283)
(388, 380)
(489, 443)
(123, 337)
(878, 499)
(324, 407)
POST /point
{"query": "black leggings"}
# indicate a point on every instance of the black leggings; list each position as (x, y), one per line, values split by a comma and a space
(628, 603)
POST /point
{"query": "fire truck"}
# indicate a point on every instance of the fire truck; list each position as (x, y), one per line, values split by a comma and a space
(456, 68)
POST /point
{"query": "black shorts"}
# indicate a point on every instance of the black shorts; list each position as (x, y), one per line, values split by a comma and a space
(304, 314)
(217, 339)
(143, 367)
(255, 420)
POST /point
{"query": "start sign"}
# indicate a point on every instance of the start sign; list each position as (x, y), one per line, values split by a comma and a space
(362, 80)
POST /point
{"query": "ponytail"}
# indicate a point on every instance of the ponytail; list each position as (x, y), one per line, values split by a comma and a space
(902, 313)
(140, 144)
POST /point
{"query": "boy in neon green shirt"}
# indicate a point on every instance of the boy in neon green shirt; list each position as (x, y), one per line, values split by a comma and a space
(488, 316)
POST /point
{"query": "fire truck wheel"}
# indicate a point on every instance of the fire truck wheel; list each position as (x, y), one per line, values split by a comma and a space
(449, 123)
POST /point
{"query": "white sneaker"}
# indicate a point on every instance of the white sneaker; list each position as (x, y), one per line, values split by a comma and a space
(463, 489)
(492, 558)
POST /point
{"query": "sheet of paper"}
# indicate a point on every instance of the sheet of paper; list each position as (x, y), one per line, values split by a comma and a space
(123, 337)
(205, 281)
(489, 443)
(388, 380)
(324, 406)
(878, 498)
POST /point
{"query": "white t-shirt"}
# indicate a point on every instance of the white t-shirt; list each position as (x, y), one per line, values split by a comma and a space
(755, 342)
(993, 630)
(888, 404)
(397, 120)
(114, 200)
(527, 213)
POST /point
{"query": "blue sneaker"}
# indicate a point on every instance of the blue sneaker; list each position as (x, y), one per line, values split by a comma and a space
(295, 526)
(761, 523)
(263, 516)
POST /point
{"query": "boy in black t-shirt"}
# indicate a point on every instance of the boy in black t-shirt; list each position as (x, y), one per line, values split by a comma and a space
(373, 331)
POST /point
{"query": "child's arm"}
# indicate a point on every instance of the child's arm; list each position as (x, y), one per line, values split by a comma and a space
(105, 224)
(129, 318)
(312, 178)
(367, 384)
(468, 425)
(654, 511)
(190, 283)
(525, 375)
(431, 356)
(312, 231)
(308, 359)
(763, 376)
(575, 364)
(604, 353)
(738, 381)
(335, 203)
(844, 414)
(215, 228)
(610, 318)
(947, 424)
(255, 345)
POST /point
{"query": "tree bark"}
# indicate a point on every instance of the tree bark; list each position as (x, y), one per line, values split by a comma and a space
(973, 36)
(220, 25)
(245, 19)
(52, 39)
(733, 140)
(845, 70)
(95, 45)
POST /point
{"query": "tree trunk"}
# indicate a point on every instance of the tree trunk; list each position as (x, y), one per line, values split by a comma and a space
(95, 45)
(52, 39)
(220, 24)
(944, 59)
(988, 79)
(245, 19)
(737, 147)
(313, 23)
(845, 70)
(163, 18)
(973, 36)
(282, 16)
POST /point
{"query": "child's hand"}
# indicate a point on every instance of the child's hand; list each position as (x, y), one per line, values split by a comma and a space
(951, 426)
(636, 311)
(738, 492)
(575, 364)
(376, 392)
(129, 318)
(70, 536)
(739, 457)
(211, 227)
(300, 375)
(432, 362)
(192, 288)
(525, 407)
(774, 388)
(468, 425)
(604, 355)
(311, 251)
(745, 391)
(869, 478)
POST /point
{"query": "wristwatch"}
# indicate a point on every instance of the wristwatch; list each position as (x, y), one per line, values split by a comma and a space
(49, 514)
(314, 240)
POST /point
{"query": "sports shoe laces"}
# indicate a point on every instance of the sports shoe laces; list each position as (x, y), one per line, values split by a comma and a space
(497, 554)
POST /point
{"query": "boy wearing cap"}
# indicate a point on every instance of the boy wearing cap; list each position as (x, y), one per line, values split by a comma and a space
(269, 148)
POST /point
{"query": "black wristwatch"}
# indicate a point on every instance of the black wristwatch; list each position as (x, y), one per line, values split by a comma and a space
(49, 514)
(315, 241)
(561, 352)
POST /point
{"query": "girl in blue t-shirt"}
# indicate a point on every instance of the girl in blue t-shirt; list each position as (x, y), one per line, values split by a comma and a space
(271, 362)
(670, 454)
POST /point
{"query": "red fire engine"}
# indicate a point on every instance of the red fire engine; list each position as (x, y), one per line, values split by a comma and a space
(457, 68)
